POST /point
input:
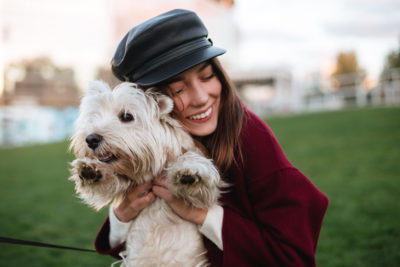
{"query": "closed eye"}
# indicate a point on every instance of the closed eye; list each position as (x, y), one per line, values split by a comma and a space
(176, 92)
(209, 77)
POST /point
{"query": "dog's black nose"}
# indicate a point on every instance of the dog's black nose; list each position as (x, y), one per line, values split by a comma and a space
(187, 180)
(93, 140)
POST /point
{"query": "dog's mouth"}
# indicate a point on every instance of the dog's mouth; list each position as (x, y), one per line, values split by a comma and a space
(107, 157)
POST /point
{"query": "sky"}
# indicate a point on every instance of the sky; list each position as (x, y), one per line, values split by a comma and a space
(301, 36)
(73, 33)
(307, 35)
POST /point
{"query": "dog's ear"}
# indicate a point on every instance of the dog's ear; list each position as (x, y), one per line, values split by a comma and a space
(165, 104)
(97, 87)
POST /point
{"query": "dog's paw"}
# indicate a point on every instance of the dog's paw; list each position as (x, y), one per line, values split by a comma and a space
(96, 183)
(89, 173)
(86, 171)
(195, 179)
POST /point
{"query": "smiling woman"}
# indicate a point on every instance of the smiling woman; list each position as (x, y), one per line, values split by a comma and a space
(197, 96)
(271, 214)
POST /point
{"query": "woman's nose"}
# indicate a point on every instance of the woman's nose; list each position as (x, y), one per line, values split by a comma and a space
(199, 94)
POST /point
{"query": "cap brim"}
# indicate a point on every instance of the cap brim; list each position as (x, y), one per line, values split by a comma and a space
(178, 65)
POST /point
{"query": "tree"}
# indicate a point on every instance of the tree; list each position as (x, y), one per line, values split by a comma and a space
(392, 61)
(346, 63)
(348, 75)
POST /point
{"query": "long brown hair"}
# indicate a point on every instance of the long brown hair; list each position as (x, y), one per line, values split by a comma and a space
(223, 144)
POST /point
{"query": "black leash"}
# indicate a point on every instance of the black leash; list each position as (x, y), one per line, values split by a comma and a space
(38, 244)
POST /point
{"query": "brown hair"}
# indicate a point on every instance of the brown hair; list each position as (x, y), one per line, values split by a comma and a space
(223, 143)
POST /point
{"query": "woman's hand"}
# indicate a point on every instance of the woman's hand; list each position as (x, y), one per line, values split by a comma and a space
(185, 211)
(137, 199)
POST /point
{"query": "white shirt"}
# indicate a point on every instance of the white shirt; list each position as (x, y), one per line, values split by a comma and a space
(211, 228)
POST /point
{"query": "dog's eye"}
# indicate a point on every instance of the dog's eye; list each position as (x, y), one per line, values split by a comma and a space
(126, 117)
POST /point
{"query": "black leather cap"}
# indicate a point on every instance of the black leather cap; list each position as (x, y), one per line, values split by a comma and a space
(163, 47)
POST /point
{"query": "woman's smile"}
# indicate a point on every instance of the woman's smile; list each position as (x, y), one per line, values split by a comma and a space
(202, 117)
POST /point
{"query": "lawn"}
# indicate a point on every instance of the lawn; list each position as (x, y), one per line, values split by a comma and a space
(353, 156)
(38, 204)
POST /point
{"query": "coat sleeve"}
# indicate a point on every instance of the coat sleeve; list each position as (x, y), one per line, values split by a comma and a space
(288, 212)
(102, 242)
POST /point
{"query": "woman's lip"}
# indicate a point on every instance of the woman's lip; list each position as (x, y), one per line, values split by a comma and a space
(202, 119)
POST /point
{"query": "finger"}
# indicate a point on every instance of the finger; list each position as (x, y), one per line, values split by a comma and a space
(145, 193)
(145, 201)
(163, 193)
(129, 209)
(142, 187)
(139, 191)
(160, 181)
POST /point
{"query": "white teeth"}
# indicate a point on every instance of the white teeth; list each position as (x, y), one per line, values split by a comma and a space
(202, 115)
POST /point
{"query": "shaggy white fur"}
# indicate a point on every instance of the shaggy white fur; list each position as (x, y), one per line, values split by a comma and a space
(125, 137)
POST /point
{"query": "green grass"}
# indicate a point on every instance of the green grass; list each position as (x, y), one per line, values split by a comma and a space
(353, 156)
(38, 203)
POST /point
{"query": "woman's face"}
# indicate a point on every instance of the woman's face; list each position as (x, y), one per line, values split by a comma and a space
(197, 95)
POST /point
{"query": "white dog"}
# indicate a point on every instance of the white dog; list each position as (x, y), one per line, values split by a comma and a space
(125, 137)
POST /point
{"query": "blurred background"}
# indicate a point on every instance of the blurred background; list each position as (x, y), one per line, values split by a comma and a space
(284, 56)
(325, 75)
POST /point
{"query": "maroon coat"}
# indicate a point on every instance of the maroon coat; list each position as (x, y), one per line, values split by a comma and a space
(272, 212)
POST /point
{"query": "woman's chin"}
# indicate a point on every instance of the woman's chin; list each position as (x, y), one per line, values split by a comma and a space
(201, 128)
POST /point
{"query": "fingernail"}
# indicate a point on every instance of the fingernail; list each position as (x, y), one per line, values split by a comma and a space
(145, 192)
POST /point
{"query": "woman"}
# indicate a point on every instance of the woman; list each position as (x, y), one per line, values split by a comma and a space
(272, 214)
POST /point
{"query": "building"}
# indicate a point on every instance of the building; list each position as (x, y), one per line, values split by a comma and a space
(265, 91)
(39, 83)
